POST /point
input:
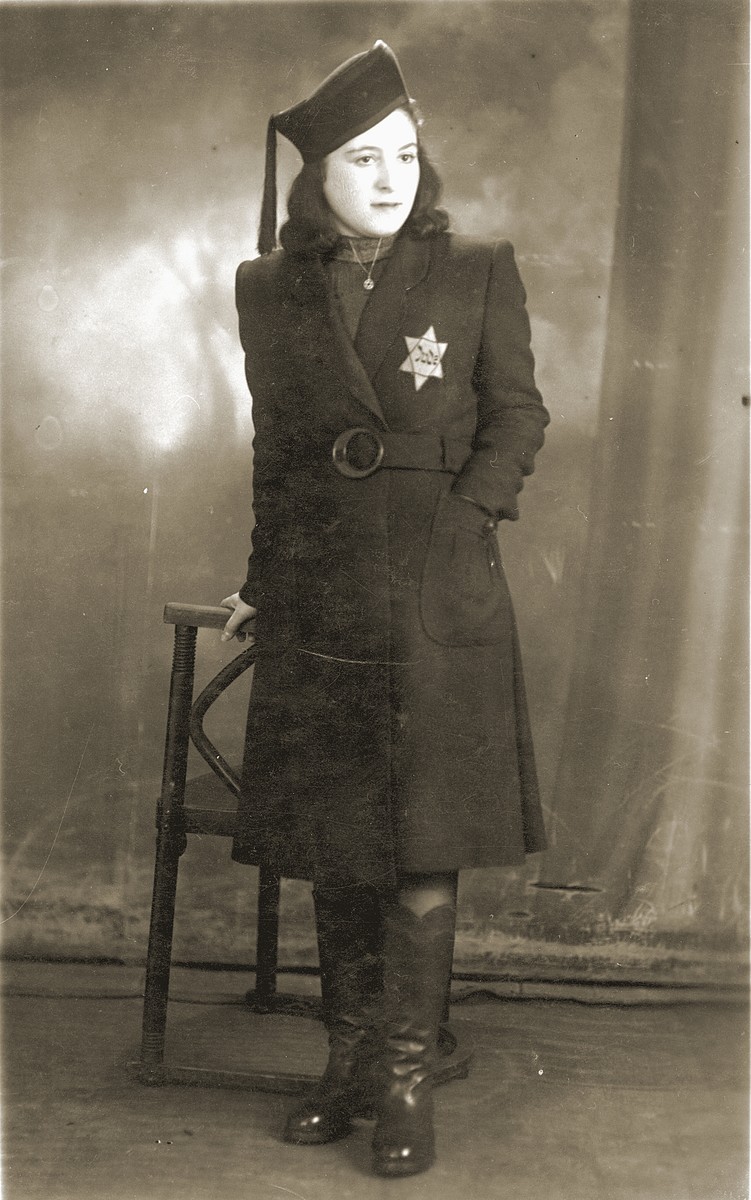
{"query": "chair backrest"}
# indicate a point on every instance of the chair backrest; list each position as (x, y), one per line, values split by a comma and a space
(202, 616)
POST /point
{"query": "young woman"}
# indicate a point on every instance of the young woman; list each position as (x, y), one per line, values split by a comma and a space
(388, 745)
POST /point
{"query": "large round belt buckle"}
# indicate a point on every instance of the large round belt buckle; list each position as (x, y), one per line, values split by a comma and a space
(340, 452)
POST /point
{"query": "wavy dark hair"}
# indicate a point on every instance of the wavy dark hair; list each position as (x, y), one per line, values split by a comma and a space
(309, 229)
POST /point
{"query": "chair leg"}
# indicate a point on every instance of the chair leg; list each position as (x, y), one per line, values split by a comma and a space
(170, 845)
(159, 956)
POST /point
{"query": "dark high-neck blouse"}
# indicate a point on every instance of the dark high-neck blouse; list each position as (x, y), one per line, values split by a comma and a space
(346, 275)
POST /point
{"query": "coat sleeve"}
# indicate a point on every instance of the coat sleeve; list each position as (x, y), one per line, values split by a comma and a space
(265, 479)
(260, 542)
(511, 417)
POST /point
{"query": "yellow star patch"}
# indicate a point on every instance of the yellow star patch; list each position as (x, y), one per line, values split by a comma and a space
(424, 358)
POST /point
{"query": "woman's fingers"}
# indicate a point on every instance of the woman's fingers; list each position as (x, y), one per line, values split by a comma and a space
(234, 623)
(242, 612)
(232, 629)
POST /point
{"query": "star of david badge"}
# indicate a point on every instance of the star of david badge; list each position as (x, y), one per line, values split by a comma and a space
(424, 357)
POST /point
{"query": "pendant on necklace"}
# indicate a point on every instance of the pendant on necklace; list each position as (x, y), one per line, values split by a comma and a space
(368, 283)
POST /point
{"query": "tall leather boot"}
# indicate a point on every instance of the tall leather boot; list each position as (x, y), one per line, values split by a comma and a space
(417, 957)
(349, 950)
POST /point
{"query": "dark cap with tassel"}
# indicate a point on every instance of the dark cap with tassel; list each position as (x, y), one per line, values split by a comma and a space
(357, 95)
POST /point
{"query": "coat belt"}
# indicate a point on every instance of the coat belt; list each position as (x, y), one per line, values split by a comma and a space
(359, 452)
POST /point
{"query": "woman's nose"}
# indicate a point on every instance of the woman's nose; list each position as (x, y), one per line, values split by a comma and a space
(384, 177)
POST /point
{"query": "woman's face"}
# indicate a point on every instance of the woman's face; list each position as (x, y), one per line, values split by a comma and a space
(370, 182)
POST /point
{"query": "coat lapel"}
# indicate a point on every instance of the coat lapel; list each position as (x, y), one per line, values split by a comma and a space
(383, 318)
(381, 323)
(327, 337)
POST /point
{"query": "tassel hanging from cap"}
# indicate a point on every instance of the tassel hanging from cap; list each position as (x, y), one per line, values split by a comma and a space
(267, 227)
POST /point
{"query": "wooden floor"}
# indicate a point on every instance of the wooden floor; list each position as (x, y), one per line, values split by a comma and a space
(565, 1101)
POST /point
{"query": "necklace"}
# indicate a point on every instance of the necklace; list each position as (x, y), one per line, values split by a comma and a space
(368, 283)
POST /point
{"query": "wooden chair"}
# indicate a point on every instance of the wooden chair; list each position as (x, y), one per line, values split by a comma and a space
(175, 821)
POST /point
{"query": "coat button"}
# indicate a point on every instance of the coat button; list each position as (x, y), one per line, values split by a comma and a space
(490, 525)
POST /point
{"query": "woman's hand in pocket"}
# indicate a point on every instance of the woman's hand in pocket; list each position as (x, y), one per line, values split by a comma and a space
(241, 613)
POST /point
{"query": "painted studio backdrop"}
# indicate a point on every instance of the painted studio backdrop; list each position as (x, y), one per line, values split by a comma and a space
(607, 141)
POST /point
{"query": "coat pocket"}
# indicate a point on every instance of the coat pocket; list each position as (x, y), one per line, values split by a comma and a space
(464, 598)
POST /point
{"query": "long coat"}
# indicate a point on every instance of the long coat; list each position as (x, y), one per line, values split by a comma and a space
(388, 726)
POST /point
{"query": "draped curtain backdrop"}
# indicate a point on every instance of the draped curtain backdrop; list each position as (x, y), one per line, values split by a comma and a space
(648, 823)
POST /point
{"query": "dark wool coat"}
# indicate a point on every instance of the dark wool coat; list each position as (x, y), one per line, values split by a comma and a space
(388, 726)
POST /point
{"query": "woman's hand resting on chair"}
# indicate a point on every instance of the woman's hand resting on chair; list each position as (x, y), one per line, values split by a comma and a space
(242, 612)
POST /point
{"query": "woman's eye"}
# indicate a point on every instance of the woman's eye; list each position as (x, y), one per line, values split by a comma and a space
(365, 159)
(409, 157)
